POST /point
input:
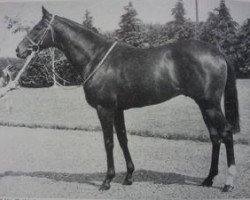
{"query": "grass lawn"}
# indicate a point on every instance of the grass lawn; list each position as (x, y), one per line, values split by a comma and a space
(178, 118)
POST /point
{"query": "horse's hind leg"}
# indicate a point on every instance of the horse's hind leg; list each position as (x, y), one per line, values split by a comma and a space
(106, 117)
(122, 137)
(207, 114)
(219, 130)
(227, 137)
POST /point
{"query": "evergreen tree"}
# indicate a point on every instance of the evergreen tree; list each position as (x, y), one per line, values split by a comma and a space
(155, 35)
(179, 13)
(180, 28)
(244, 48)
(209, 29)
(220, 30)
(131, 29)
(88, 21)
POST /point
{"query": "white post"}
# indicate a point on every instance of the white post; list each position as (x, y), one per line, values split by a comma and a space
(197, 18)
(53, 67)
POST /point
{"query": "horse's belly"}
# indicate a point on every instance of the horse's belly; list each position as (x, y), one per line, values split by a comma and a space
(146, 98)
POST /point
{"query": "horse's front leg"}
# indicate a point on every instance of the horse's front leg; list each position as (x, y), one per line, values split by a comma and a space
(122, 137)
(106, 117)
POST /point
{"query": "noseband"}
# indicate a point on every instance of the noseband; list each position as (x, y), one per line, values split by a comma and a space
(36, 45)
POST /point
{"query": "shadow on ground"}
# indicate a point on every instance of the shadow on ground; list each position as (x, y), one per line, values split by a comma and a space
(140, 175)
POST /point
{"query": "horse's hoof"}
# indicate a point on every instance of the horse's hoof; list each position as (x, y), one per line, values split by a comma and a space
(104, 186)
(227, 188)
(207, 182)
(127, 182)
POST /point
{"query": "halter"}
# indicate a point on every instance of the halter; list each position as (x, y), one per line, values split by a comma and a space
(36, 45)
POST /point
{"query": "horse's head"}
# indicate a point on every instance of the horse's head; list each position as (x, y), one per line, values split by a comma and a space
(40, 37)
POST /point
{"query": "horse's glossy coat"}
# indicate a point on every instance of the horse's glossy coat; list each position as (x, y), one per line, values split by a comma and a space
(132, 77)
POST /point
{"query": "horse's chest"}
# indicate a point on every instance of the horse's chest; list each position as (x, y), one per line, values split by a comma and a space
(103, 94)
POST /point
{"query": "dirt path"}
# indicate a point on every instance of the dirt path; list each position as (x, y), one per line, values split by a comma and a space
(71, 164)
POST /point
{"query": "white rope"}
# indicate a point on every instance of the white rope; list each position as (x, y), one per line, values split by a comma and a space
(100, 63)
(13, 84)
(24, 67)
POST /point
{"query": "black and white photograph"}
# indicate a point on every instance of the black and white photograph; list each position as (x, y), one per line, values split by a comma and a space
(124, 99)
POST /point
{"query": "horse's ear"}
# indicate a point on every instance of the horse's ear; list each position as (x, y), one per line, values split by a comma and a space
(45, 12)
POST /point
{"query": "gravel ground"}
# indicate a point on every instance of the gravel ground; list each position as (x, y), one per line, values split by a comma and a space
(48, 163)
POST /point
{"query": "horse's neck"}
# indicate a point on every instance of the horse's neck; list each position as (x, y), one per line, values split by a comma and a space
(79, 45)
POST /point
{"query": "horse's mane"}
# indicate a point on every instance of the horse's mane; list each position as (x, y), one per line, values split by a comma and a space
(81, 28)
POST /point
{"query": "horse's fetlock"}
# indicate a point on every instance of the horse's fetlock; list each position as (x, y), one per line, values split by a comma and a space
(131, 167)
(111, 174)
(208, 182)
(213, 173)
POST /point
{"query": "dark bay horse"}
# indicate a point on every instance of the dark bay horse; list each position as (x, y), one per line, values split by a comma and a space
(130, 77)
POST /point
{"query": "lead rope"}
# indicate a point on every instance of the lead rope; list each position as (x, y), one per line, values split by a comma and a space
(13, 84)
(100, 63)
(8, 101)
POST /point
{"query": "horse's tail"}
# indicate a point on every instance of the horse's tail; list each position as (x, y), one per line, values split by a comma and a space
(231, 99)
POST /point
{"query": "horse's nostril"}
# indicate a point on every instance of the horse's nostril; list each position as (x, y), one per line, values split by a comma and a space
(17, 50)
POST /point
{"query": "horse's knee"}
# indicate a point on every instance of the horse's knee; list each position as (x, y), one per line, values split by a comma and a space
(214, 136)
(227, 136)
(216, 140)
(109, 144)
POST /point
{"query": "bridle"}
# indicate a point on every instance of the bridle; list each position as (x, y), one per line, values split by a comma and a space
(35, 47)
